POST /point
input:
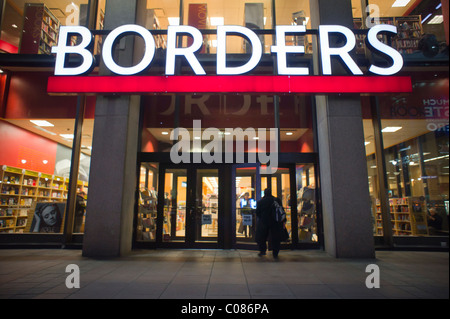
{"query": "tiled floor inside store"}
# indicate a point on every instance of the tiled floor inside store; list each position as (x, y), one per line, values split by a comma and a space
(219, 274)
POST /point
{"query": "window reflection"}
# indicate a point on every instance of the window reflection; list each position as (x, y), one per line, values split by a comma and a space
(420, 24)
(415, 137)
(31, 27)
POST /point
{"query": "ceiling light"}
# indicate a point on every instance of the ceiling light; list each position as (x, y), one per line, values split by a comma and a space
(45, 161)
(438, 19)
(14, 26)
(44, 130)
(366, 143)
(165, 133)
(67, 136)
(391, 129)
(42, 123)
(256, 138)
(289, 133)
(400, 3)
(435, 158)
(174, 20)
(215, 21)
(425, 19)
(438, 6)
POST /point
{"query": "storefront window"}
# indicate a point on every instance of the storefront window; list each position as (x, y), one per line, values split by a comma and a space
(295, 12)
(415, 132)
(421, 32)
(31, 27)
(36, 143)
(208, 14)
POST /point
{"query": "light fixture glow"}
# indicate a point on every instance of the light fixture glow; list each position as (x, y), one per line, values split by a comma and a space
(438, 19)
(400, 3)
(67, 136)
(391, 129)
(366, 143)
(174, 21)
(289, 133)
(165, 133)
(42, 123)
(215, 21)
(426, 18)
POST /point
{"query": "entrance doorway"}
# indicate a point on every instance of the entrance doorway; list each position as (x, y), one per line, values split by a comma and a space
(214, 206)
(190, 207)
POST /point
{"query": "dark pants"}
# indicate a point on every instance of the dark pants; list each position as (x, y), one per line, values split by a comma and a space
(268, 232)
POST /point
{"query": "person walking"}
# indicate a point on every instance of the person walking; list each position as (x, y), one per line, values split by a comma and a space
(267, 225)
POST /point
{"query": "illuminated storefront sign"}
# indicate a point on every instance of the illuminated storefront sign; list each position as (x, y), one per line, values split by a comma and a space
(283, 82)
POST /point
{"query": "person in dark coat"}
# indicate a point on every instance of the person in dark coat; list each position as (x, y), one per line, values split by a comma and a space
(267, 225)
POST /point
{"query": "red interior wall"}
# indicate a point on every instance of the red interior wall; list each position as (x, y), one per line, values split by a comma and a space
(17, 144)
(28, 98)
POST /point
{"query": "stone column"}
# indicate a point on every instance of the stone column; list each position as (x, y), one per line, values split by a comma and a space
(343, 169)
(112, 180)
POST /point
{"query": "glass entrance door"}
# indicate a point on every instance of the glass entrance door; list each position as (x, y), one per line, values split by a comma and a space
(247, 193)
(190, 207)
(280, 185)
(250, 186)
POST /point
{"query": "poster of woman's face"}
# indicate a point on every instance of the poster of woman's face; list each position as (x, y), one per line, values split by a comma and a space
(48, 218)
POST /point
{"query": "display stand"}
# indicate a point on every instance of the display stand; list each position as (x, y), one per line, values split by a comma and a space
(408, 217)
(306, 214)
(21, 189)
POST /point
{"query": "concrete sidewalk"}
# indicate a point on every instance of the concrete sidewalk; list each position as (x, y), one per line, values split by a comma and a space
(222, 274)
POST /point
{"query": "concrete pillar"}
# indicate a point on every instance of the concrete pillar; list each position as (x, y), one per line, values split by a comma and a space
(112, 181)
(343, 170)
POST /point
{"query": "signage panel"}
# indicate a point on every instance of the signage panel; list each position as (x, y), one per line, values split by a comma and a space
(289, 79)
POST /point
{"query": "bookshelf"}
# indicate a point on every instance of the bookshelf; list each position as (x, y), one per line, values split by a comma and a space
(40, 29)
(21, 189)
(147, 214)
(408, 217)
(409, 32)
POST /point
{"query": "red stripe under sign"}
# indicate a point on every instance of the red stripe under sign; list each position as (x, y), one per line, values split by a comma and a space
(228, 84)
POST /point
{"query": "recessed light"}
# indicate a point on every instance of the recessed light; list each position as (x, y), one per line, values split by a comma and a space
(256, 138)
(14, 26)
(425, 19)
(67, 136)
(438, 19)
(289, 133)
(42, 123)
(391, 129)
(366, 143)
(215, 21)
(165, 133)
(174, 20)
(400, 3)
